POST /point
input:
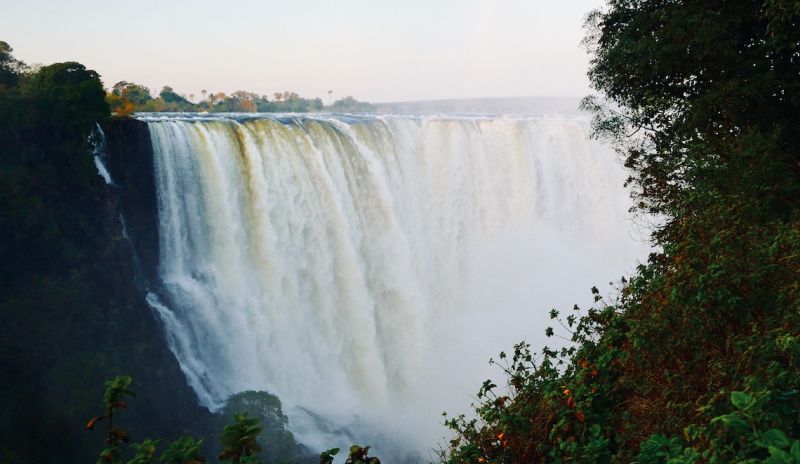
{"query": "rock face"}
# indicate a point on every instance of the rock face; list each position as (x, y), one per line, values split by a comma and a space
(130, 162)
(77, 317)
(166, 405)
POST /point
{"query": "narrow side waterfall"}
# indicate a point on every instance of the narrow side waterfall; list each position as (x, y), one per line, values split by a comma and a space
(364, 268)
(97, 144)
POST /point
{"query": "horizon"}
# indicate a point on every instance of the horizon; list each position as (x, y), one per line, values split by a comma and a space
(354, 48)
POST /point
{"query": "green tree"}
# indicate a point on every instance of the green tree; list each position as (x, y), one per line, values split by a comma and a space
(10, 67)
(135, 93)
(169, 96)
(713, 99)
(67, 92)
(276, 440)
(350, 104)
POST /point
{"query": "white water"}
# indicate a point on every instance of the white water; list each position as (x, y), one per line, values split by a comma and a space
(97, 142)
(364, 268)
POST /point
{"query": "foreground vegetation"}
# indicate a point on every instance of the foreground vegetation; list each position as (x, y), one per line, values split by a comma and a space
(697, 360)
(241, 441)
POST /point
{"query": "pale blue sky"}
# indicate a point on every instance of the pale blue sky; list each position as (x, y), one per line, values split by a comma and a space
(371, 49)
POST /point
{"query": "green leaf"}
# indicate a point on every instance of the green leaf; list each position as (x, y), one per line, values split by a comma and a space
(731, 420)
(795, 451)
(741, 400)
(773, 438)
(778, 456)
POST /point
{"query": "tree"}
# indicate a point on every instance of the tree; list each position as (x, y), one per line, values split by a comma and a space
(218, 98)
(276, 440)
(10, 67)
(67, 92)
(714, 99)
(350, 104)
(169, 96)
(135, 93)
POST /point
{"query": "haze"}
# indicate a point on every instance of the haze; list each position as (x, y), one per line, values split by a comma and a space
(375, 51)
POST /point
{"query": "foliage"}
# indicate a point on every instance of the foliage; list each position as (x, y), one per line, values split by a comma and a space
(351, 105)
(359, 455)
(113, 399)
(116, 390)
(276, 440)
(135, 93)
(10, 67)
(127, 97)
(145, 452)
(713, 99)
(184, 450)
(239, 439)
(697, 358)
(326, 457)
(47, 119)
(169, 96)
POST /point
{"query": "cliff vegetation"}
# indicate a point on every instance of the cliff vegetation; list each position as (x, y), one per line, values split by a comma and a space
(696, 359)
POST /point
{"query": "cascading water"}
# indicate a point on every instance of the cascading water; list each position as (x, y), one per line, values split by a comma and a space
(362, 268)
(97, 144)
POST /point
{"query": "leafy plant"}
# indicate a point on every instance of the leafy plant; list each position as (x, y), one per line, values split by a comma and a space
(145, 452)
(239, 440)
(359, 455)
(184, 450)
(326, 457)
(113, 399)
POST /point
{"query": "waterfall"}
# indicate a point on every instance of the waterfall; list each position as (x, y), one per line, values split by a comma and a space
(363, 268)
(97, 144)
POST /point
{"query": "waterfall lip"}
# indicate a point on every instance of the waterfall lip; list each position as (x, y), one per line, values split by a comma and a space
(352, 118)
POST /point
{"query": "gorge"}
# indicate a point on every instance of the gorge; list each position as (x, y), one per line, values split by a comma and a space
(357, 265)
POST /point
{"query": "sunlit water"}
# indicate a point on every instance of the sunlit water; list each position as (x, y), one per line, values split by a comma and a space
(364, 268)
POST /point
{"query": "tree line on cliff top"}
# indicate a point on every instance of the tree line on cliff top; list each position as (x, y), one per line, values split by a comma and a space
(127, 97)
